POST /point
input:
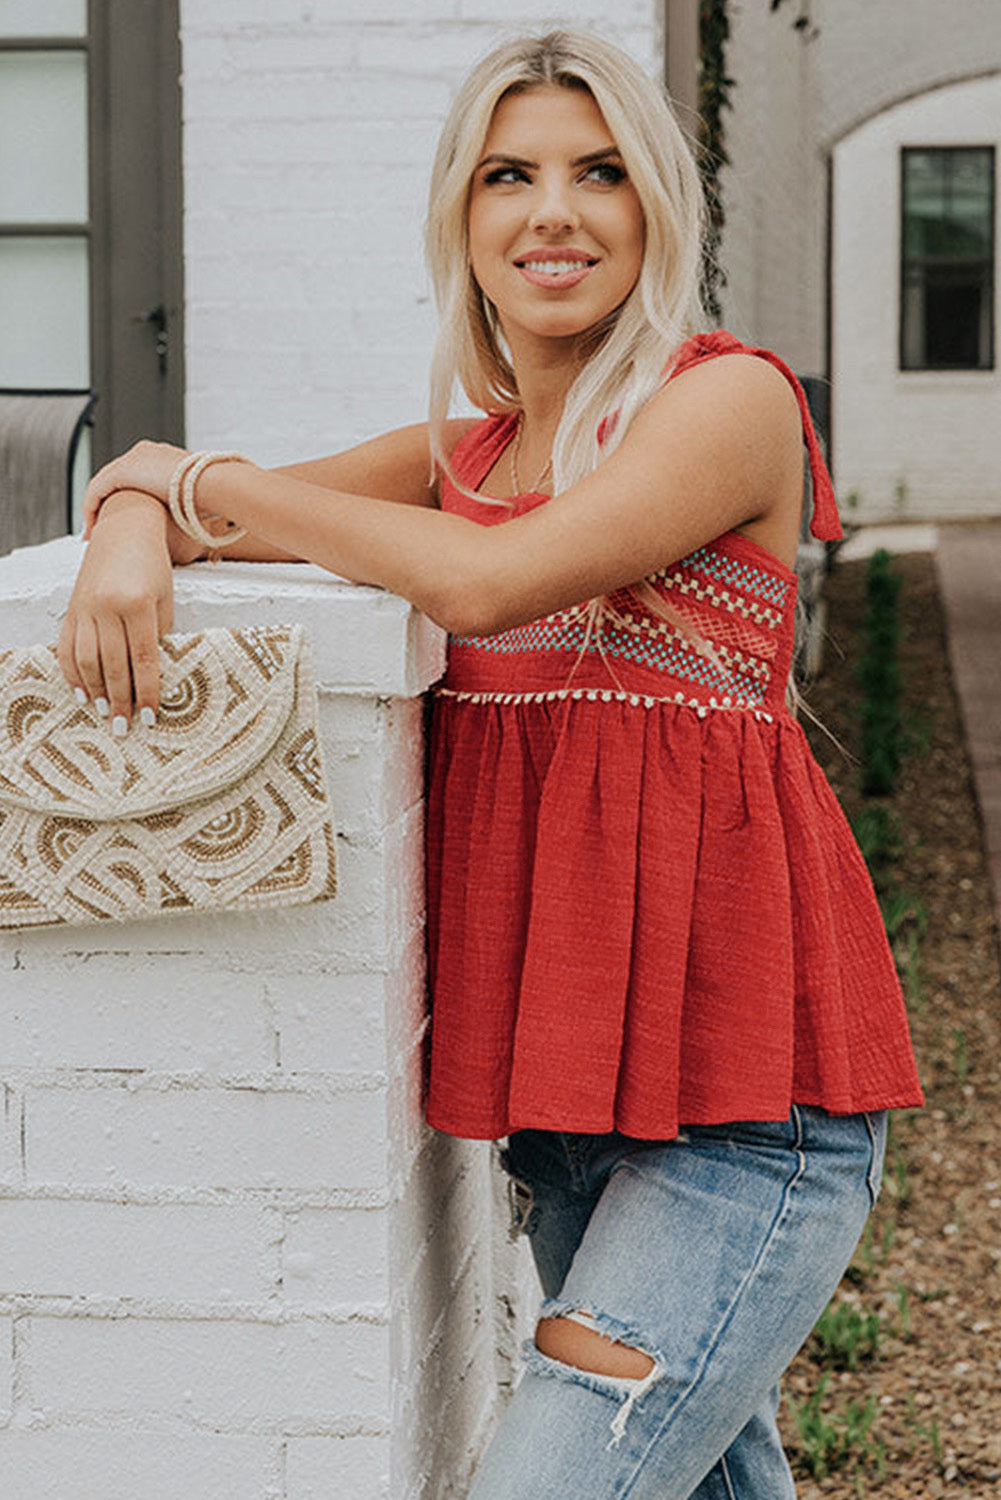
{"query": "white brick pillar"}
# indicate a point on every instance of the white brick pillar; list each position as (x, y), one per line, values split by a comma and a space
(233, 1259)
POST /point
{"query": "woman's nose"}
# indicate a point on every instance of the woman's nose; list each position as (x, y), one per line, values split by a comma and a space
(553, 210)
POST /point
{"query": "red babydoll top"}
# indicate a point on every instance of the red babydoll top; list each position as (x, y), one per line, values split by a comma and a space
(646, 907)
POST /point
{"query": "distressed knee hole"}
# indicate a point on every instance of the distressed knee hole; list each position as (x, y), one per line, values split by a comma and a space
(595, 1350)
(574, 1340)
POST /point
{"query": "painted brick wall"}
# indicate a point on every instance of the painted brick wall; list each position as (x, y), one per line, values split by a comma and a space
(309, 129)
(233, 1259)
(773, 190)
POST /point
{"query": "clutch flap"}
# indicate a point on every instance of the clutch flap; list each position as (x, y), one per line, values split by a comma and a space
(226, 696)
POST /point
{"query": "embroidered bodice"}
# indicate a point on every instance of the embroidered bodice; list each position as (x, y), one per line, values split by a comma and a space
(737, 600)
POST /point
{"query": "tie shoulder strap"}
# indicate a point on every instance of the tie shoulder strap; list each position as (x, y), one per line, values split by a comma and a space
(825, 523)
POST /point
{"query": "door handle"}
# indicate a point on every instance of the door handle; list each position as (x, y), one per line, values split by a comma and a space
(156, 317)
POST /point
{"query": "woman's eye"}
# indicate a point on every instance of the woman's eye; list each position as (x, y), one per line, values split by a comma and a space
(505, 174)
(607, 172)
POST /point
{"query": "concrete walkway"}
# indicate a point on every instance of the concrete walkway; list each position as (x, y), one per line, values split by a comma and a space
(968, 559)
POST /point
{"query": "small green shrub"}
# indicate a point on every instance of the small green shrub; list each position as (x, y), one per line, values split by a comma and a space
(837, 1439)
(880, 836)
(878, 673)
(928, 1430)
(898, 1179)
(845, 1337)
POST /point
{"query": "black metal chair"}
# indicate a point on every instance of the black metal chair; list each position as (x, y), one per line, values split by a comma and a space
(40, 431)
(812, 559)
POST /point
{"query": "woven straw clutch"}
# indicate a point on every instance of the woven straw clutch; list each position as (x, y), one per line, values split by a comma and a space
(221, 804)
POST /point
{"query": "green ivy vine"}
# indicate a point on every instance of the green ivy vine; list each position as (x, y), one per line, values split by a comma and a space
(714, 89)
(714, 85)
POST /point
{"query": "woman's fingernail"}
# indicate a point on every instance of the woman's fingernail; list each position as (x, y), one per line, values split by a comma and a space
(103, 707)
(147, 716)
(120, 726)
(80, 696)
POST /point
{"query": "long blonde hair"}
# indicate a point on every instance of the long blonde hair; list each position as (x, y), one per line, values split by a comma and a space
(633, 349)
(663, 309)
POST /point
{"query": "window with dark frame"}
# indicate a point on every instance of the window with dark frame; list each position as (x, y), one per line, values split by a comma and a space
(947, 258)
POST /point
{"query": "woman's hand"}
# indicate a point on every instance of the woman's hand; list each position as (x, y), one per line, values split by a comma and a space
(122, 603)
(147, 466)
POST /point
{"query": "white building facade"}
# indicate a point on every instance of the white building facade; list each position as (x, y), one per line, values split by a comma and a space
(862, 233)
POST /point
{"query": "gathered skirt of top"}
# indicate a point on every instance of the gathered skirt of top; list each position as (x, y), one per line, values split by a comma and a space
(697, 939)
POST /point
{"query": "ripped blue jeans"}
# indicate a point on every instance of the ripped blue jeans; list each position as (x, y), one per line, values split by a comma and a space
(713, 1254)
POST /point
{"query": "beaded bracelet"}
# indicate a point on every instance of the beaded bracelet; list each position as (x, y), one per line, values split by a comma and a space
(181, 500)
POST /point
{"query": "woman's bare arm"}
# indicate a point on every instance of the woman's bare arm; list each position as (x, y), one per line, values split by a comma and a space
(123, 598)
(394, 466)
(719, 447)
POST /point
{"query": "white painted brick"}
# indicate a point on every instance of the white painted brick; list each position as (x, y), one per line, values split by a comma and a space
(6, 1367)
(113, 1011)
(328, 51)
(420, 1168)
(82, 1465)
(312, 187)
(451, 1393)
(643, 42)
(359, 926)
(217, 277)
(355, 782)
(330, 1022)
(404, 845)
(226, 1373)
(336, 1257)
(395, 285)
(282, 368)
(321, 1468)
(390, 281)
(174, 1252)
(273, 142)
(584, 14)
(429, 51)
(205, 1137)
(420, 1199)
(372, 783)
(407, 1081)
(263, 18)
(294, 94)
(285, 434)
(406, 1017)
(315, 237)
(10, 1131)
(467, 1422)
(359, 718)
(449, 1439)
(459, 1240)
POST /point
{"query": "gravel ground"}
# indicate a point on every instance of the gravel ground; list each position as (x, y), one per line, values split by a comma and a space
(927, 1273)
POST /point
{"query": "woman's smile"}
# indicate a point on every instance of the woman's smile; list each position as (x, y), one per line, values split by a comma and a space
(555, 269)
(556, 230)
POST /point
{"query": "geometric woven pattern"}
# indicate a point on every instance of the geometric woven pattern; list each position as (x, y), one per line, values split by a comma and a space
(221, 804)
(725, 603)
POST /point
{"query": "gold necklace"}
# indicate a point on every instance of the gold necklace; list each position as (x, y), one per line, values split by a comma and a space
(515, 447)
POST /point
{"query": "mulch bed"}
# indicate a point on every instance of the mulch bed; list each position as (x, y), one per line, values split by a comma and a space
(929, 1265)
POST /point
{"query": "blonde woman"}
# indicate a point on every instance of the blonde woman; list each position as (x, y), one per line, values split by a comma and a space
(657, 964)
